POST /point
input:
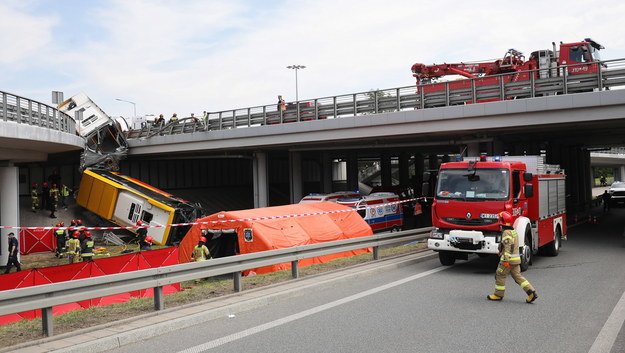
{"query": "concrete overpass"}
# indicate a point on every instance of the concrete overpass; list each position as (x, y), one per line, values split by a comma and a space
(29, 132)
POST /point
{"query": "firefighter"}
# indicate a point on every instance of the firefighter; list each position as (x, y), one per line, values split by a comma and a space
(65, 191)
(34, 196)
(174, 118)
(87, 247)
(45, 196)
(61, 240)
(55, 196)
(73, 248)
(81, 230)
(200, 252)
(510, 262)
(145, 244)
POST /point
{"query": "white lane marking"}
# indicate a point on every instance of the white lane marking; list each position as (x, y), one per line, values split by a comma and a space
(607, 336)
(260, 328)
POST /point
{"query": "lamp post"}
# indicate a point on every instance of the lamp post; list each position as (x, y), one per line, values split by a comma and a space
(133, 104)
(296, 67)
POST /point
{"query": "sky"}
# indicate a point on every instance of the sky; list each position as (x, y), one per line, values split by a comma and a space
(188, 56)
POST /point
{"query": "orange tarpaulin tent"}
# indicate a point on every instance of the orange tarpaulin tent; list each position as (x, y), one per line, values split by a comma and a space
(240, 232)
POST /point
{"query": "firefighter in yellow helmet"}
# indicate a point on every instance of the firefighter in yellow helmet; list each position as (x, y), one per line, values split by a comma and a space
(510, 262)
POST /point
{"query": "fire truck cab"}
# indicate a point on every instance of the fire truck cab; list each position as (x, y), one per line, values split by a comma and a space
(470, 194)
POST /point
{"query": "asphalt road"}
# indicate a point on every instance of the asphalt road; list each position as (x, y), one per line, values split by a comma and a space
(428, 308)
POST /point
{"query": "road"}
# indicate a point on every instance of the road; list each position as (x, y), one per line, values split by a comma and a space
(428, 308)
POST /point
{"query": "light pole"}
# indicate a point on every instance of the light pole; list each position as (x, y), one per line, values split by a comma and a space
(296, 67)
(133, 104)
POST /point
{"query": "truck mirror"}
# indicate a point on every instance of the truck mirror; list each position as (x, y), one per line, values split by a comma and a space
(527, 177)
(426, 176)
(425, 189)
(529, 190)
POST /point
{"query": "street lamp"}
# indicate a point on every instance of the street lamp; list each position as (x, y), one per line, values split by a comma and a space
(133, 104)
(296, 67)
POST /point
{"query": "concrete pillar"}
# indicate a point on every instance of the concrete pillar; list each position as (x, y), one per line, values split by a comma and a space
(326, 172)
(386, 170)
(9, 208)
(404, 169)
(261, 186)
(620, 173)
(352, 171)
(295, 176)
(473, 149)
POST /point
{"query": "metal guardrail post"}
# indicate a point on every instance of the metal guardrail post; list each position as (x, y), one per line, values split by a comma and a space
(599, 77)
(565, 82)
(159, 298)
(532, 83)
(397, 93)
(473, 91)
(376, 252)
(237, 281)
(316, 102)
(4, 107)
(375, 102)
(264, 115)
(355, 105)
(422, 96)
(335, 109)
(295, 269)
(502, 92)
(47, 322)
(447, 93)
(249, 117)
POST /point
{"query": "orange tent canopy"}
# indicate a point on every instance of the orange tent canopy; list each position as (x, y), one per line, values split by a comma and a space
(269, 228)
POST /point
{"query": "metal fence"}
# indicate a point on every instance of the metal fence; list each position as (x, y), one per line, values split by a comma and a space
(433, 95)
(26, 111)
(46, 296)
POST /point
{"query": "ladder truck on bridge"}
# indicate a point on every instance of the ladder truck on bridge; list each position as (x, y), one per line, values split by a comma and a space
(579, 60)
(470, 194)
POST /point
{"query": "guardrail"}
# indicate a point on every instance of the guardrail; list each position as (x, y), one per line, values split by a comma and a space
(46, 296)
(433, 95)
(26, 111)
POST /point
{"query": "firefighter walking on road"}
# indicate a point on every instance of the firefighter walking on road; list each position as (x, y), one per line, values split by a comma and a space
(510, 262)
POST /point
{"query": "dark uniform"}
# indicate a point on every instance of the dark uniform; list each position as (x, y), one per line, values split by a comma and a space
(14, 247)
(87, 248)
(61, 241)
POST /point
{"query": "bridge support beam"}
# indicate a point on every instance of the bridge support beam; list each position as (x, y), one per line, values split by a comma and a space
(9, 207)
(386, 170)
(261, 186)
(295, 174)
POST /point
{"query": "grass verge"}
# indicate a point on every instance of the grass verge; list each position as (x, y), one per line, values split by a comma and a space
(191, 292)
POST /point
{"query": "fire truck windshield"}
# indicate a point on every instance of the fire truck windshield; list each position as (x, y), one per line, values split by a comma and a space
(485, 184)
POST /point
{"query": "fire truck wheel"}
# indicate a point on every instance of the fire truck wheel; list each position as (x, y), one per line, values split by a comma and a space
(553, 248)
(526, 252)
(447, 258)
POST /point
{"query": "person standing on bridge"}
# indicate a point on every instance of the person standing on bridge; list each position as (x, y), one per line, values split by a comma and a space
(174, 118)
(510, 262)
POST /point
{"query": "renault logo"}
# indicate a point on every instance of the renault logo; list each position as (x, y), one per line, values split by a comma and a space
(468, 215)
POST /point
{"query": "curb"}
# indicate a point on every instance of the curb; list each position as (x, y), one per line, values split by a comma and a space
(110, 336)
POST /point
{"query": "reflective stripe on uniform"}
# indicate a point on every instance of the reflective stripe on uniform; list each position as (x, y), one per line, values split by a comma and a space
(500, 287)
(506, 237)
(524, 284)
(515, 258)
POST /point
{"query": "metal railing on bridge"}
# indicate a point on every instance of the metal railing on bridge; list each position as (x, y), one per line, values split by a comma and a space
(26, 111)
(433, 95)
(46, 296)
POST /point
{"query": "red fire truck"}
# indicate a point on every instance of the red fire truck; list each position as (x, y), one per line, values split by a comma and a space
(470, 194)
(578, 58)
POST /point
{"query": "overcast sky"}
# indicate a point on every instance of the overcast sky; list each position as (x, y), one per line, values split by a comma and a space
(190, 56)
